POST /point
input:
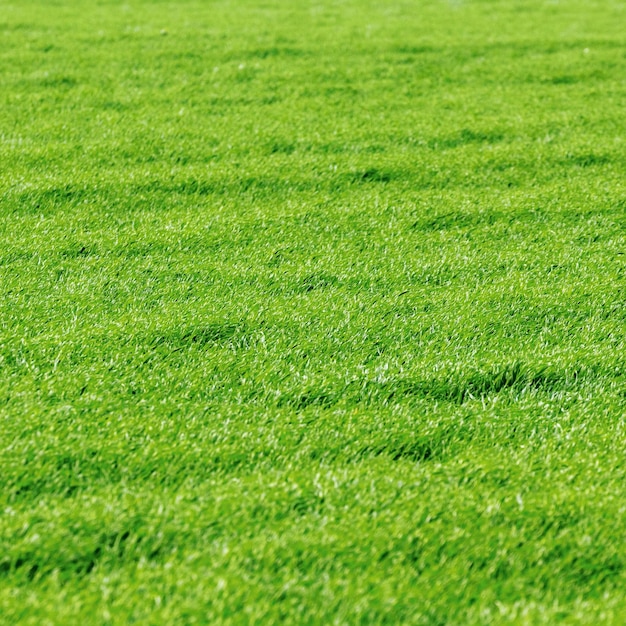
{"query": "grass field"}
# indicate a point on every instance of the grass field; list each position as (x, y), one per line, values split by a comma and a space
(312, 312)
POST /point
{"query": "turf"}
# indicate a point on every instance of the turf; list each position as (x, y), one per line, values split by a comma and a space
(312, 312)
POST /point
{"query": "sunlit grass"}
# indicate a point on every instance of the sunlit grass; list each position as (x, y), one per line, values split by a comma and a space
(312, 312)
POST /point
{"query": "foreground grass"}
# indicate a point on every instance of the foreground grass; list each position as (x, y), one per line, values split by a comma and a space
(312, 313)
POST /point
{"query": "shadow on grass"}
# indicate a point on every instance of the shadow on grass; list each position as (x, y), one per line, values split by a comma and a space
(455, 388)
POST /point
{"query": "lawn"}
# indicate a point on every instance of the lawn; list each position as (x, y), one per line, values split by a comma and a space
(312, 312)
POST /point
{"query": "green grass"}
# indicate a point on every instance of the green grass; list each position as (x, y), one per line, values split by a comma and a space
(312, 312)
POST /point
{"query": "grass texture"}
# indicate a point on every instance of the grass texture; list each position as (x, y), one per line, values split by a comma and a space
(312, 312)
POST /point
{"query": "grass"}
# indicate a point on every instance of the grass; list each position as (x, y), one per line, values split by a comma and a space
(312, 312)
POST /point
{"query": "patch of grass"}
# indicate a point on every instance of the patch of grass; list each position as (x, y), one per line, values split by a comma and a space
(312, 313)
